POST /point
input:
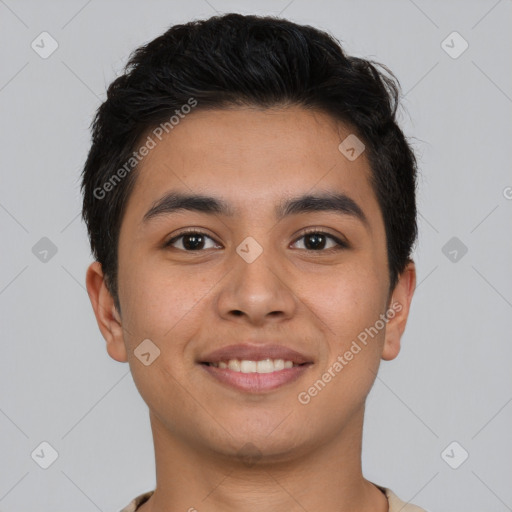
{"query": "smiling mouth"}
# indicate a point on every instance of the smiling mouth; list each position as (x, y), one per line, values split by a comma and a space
(261, 366)
(259, 377)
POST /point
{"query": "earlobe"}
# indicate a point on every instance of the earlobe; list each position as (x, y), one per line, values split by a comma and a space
(398, 311)
(107, 317)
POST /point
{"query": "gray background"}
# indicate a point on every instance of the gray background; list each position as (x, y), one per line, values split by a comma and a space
(452, 380)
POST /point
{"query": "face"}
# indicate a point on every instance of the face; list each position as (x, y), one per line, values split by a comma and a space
(254, 266)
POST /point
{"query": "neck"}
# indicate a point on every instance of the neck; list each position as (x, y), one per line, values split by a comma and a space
(325, 477)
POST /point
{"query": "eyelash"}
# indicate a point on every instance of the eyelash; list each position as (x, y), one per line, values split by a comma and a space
(340, 244)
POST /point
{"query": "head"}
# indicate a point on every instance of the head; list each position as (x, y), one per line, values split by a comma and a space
(250, 111)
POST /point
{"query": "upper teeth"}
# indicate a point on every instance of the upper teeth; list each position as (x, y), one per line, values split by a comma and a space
(246, 366)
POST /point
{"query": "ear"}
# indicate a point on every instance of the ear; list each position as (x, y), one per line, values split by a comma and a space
(398, 311)
(107, 316)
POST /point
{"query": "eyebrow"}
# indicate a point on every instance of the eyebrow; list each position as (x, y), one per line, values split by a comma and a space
(339, 203)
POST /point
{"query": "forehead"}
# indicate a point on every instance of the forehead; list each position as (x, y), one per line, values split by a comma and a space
(251, 158)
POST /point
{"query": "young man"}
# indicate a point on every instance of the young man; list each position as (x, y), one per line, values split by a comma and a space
(250, 202)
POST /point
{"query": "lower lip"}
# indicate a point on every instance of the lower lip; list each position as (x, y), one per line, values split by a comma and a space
(256, 382)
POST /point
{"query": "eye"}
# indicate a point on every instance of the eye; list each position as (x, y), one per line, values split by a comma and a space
(316, 240)
(195, 240)
(191, 240)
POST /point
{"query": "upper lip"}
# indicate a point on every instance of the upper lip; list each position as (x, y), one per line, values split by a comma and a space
(255, 353)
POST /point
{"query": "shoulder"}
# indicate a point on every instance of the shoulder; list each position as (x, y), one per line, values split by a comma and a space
(137, 501)
(397, 505)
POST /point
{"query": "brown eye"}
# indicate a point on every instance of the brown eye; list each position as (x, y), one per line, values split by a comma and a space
(191, 241)
(317, 241)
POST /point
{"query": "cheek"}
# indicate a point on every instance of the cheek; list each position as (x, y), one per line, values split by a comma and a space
(161, 302)
(350, 302)
(165, 308)
(344, 378)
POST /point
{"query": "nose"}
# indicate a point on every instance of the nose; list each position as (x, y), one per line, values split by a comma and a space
(257, 292)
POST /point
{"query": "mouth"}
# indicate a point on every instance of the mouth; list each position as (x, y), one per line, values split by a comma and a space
(255, 376)
(249, 366)
(255, 368)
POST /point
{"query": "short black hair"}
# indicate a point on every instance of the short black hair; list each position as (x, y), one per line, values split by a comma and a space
(246, 60)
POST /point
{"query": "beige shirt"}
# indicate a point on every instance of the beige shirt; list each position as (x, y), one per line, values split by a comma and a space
(395, 503)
